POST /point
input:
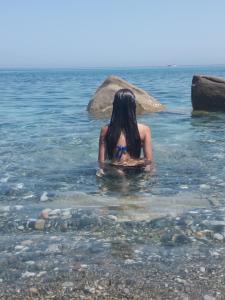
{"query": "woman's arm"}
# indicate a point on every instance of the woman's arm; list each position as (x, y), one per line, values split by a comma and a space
(102, 147)
(101, 152)
(147, 145)
(147, 148)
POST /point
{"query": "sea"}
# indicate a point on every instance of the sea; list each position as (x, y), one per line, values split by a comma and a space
(51, 201)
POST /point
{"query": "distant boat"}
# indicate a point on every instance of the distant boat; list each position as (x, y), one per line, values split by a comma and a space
(171, 65)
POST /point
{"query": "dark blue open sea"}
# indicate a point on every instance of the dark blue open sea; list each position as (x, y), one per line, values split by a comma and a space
(49, 193)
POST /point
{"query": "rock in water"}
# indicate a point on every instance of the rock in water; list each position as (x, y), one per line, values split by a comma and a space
(208, 93)
(101, 103)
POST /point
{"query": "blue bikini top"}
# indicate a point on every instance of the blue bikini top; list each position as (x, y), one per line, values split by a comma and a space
(120, 150)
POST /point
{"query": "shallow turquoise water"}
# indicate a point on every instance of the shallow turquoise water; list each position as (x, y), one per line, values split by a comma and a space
(49, 143)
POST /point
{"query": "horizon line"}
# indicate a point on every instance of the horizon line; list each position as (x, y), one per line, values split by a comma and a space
(112, 67)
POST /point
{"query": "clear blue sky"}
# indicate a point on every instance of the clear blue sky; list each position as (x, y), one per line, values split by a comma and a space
(100, 33)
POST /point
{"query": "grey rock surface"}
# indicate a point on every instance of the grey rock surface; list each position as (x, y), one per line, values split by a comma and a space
(101, 103)
(208, 93)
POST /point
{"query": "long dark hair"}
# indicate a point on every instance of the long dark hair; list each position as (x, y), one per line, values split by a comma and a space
(123, 118)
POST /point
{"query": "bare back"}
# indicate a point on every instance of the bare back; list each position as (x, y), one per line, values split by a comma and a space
(126, 159)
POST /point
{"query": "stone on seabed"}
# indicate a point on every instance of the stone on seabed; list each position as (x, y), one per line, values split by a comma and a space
(208, 297)
(39, 224)
(28, 274)
(112, 217)
(218, 236)
(33, 291)
(45, 213)
(67, 284)
(101, 103)
(44, 197)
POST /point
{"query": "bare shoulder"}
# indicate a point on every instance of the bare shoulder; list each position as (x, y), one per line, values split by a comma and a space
(143, 128)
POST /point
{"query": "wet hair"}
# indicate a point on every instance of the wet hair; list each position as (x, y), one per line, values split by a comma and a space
(123, 119)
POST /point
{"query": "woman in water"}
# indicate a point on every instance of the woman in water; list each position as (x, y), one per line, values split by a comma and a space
(121, 141)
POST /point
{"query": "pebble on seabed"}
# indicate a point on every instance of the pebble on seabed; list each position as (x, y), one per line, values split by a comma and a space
(41, 273)
(202, 269)
(204, 186)
(112, 217)
(19, 247)
(53, 248)
(180, 280)
(89, 290)
(39, 224)
(45, 213)
(67, 284)
(48, 213)
(208, 297)
(21, 227)
(33, 291)
(28, 274)
(27, 242)
(218, 236)
(44, 197)
(129, 261)
(66, 214)
(183, 187)
(30, 262)
(28, 196)
(19, 186)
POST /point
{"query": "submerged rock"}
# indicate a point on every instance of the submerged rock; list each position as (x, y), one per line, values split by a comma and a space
(102, 101)
(208, 93)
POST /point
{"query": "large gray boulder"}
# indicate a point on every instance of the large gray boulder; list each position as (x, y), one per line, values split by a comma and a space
(208, 93)
(101, 103)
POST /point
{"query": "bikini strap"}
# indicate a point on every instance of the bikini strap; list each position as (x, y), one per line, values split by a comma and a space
(120, 151)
